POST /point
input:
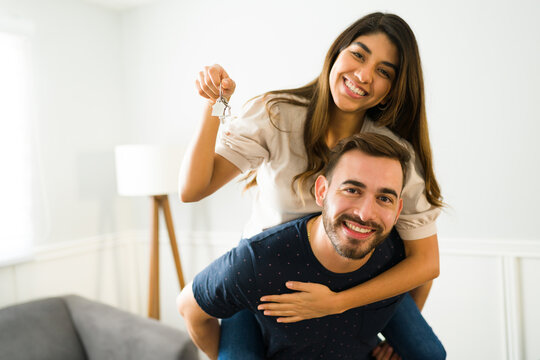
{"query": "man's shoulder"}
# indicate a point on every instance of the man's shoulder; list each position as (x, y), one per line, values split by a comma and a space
(281, 232)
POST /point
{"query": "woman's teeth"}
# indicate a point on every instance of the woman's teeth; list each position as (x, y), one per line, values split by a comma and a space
(353, 88)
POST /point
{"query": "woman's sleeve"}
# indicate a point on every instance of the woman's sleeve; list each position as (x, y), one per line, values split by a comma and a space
(244, 140)
(417, 219)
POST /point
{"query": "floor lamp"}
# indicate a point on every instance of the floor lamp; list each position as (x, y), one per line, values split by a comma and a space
(151, 170)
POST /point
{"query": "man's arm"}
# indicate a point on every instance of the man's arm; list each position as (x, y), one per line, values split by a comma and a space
(203, 328)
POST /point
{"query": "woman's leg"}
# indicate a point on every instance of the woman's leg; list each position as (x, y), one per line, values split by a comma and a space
(410, 335)
(241, 338)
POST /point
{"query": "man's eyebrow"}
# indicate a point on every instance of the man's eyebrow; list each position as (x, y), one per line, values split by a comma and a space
(368, 50)
(388, 191)
(360, 184)
(355, 183)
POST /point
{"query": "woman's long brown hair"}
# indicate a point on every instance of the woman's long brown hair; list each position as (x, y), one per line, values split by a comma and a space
(404, 114)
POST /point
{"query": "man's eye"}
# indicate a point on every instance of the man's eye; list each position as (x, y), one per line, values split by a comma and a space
(386, 199)
(351, 191)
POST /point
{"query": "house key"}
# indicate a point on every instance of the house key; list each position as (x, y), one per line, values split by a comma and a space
(221, 108)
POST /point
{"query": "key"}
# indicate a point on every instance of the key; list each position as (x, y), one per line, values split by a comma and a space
(221, 108)
(218, 109)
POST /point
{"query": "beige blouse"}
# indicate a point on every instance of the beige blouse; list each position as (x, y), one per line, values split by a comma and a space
(250, 141)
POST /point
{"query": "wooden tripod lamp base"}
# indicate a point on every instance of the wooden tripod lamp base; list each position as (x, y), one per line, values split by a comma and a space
(161, 201)
(152, 170)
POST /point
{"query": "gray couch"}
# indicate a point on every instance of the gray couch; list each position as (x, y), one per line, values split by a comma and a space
(73, 328)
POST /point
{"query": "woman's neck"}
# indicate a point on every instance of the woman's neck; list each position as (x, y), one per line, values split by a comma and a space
(343, 125)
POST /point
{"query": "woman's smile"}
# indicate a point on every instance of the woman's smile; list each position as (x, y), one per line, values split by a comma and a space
(356, 90)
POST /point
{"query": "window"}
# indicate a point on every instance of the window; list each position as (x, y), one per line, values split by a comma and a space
(16, 194)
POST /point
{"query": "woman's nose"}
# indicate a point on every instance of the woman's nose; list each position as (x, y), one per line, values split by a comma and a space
(364, 74)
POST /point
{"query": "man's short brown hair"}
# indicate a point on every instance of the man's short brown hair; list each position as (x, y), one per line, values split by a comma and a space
(370, 144)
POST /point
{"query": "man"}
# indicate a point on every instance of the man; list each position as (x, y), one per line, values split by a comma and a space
(349, 243)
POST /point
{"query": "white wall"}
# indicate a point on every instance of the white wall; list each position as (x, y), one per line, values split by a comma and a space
(78, 116)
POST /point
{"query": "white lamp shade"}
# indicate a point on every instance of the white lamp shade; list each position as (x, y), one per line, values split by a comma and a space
(147, 169)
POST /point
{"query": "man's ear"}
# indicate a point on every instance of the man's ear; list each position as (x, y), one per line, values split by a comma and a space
(399, 210)
(321, 188)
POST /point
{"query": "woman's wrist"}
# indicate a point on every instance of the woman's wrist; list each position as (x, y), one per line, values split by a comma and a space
(340, 302)
(210, 103)
(214, 120)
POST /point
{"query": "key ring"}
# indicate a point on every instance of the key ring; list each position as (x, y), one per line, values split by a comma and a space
(222, 98)
(221, 107)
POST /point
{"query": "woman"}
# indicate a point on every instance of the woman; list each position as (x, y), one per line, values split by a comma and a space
(371, 82)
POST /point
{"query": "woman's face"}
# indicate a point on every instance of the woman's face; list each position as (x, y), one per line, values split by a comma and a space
(363, 73)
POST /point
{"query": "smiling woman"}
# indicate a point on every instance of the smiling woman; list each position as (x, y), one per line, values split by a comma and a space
(15, 149)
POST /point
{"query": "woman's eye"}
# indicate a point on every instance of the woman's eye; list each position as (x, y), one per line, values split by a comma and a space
(357, 54)
(384, 73)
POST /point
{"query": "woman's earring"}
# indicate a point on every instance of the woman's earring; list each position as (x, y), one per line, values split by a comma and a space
(383, 107)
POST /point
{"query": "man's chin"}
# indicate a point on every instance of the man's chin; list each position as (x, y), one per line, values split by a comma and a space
(359, 249)
(353, 253)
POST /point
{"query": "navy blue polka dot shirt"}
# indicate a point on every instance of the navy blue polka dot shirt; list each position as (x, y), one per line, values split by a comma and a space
(263, 264)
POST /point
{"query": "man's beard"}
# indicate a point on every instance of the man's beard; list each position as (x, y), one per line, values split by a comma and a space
(352, 250)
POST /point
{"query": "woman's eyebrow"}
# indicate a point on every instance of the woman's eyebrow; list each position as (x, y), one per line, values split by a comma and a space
(363, 46)
(389, 64)
(368, 50)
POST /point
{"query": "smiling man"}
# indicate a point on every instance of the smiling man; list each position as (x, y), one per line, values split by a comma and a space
(349, 243)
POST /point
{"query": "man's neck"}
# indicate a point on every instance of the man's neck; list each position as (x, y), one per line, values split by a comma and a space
(326, 253)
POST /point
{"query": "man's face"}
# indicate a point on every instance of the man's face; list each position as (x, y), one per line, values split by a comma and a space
(361, 202)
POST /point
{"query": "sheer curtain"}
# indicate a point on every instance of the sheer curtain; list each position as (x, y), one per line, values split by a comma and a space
(17, 225)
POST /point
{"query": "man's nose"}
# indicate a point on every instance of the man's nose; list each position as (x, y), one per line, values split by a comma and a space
(366, 210)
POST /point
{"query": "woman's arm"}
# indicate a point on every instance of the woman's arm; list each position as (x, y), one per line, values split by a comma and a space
(315, 300)
(203, 171)
(421, 293)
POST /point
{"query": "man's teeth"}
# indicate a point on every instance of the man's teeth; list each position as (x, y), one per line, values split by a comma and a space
(353, 88)
(357, 228)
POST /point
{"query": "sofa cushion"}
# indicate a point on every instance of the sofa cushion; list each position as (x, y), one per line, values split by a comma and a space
(39, 330)
(113, 334)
